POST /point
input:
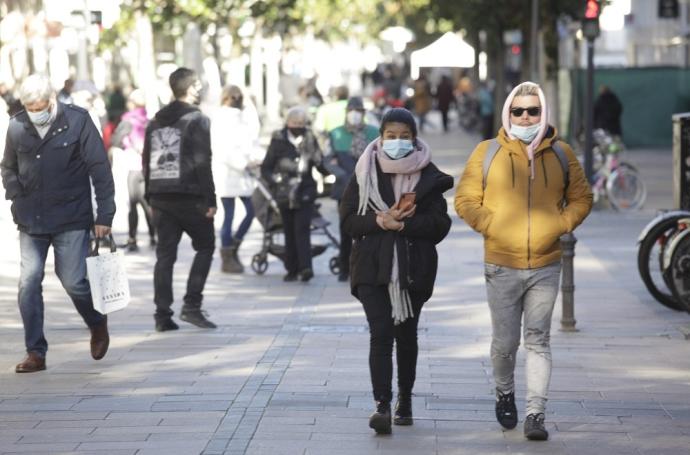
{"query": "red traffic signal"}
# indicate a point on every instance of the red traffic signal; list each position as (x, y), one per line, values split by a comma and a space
(592, 9)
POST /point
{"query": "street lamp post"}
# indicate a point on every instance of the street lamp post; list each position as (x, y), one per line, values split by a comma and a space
(590, 29)
(534, 41)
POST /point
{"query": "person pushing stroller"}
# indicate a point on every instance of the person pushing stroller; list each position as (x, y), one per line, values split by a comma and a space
(292, 154)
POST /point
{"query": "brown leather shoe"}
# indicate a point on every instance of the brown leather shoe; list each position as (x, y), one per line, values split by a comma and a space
(100, 340)
(32, 363)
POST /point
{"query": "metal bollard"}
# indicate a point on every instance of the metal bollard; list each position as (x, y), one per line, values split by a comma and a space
(568, 242)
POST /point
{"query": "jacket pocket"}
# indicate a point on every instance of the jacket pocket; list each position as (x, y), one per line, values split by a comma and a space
(22, 210)
(422, 262)
(492, 270)
(486, 231)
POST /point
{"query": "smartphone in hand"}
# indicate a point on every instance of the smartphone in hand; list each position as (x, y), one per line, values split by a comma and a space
(407, 200)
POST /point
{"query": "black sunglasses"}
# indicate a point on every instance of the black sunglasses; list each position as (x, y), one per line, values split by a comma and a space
(532, 111)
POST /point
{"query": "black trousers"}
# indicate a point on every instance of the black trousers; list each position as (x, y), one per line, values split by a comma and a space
(345, 250)
(382, 333)
(186, 217)
(444, 118)
(135, 188)
(296, 226)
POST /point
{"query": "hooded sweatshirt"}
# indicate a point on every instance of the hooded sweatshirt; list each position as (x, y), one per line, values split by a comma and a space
(177, 155)
(524, 207)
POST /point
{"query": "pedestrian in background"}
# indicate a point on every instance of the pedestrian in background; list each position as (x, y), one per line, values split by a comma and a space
(607, 111)
(234, 141)
(179, 186)
(347, 143)
(486, 110)
(445, 97)
(394, 259)
(331, 115)
(422, 99)
(65, 93)
(52, 153)
(522, 205)
(292, 154)
(129, 138)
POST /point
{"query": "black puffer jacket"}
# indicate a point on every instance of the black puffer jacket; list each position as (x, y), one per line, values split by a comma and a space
(48, 179)
(371, 259)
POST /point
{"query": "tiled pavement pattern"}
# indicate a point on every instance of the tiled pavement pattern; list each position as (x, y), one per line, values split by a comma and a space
(286, 372)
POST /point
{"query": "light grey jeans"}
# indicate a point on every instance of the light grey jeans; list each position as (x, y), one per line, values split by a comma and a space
(512, 293)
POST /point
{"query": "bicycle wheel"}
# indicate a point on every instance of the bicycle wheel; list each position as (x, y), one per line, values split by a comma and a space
(650, 260)
(625, 189)
(679, 268)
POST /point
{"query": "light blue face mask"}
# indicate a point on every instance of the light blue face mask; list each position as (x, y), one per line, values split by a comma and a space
(39, 118)
(525, 133)
(397, 148)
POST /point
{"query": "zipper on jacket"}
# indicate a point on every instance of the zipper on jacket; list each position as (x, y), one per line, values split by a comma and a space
(529, 209)
(543, 167)
(512, 167)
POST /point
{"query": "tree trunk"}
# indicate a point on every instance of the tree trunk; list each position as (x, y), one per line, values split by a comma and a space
(497, 59)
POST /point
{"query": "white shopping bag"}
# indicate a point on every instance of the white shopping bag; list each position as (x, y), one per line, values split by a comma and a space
(108, 279)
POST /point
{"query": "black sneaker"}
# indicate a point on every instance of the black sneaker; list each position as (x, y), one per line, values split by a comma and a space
(306, 275)
(165, 325)
(197, 318)
(403, 410)
(380, 421)
(131, 246)
(506, 412)
(534, 427)
(290, 277)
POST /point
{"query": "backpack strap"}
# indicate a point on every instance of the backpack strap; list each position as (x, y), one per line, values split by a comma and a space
(556, 146)
(563, 159)
(491, 152)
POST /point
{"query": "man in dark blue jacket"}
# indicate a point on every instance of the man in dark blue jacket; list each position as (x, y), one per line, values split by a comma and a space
(52, 150)
(179, 187)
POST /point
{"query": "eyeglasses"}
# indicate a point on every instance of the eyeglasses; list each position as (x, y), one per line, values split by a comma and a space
(532, 111)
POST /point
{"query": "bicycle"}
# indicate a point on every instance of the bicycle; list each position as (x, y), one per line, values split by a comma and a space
(677, 264)
(615, 180)
(654, 243)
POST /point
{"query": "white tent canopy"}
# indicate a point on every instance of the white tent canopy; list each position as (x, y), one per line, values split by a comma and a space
(448, 51)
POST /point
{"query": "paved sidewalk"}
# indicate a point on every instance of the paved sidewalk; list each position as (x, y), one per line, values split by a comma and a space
(286, 371)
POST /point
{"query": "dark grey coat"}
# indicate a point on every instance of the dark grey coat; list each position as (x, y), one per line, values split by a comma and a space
(47, 179)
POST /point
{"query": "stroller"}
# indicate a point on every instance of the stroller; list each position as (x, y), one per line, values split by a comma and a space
(268, 215)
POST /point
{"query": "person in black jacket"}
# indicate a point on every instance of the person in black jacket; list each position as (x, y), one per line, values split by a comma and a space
(347, 143)
(179, 187)
(607, 111)
(292, 154)
(51, 153)
(393, 262)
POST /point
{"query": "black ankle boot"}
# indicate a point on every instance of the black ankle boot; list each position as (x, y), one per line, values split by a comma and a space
(403, 409)
(380, 421)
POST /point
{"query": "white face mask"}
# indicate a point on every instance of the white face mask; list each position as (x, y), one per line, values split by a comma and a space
(40, 118)
(355, 118)
(525, 133)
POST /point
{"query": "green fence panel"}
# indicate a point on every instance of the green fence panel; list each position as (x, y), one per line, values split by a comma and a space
(650, 96)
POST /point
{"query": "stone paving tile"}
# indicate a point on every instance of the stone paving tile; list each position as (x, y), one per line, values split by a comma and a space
(39, 448)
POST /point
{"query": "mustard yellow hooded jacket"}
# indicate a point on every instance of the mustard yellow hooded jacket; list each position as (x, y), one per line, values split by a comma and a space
(520, 217)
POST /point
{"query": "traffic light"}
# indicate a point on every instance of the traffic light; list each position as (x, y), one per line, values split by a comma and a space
(590, 24)
(592, 10)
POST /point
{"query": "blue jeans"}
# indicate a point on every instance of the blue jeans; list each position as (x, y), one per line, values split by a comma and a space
(527, 296)
(70, 249)
(229, 209)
